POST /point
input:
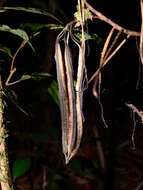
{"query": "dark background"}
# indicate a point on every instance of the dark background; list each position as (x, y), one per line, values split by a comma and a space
(38, 136)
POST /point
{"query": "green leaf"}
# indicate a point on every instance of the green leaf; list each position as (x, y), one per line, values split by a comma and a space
(88, 36)
(40, 76)
(20, 167)
(36, 76)
(53, 92)
(55, 26)
(87, 14)
(30, 10)
(6, 50)
(33, 49)
(36, 27)
(97, 39)
(17, 32)
(25, 77)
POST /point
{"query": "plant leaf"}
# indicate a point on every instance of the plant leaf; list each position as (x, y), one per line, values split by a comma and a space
(88, 36)
(35, 76)
(30, 10)
(25, 77)
(20, 167)
(17, 32)
(87, 14)
(6, 50)
(36, 27)
(40, 76)
(53, 92)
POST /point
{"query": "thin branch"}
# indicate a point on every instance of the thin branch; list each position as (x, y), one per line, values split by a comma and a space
(10, 76)
(133, 131)
(140, 114)
(135, 110)
(16, 53)
(102, 58)
(116, 50)
(108, 59)
(12, 69)
(12, 83)
(112, 45)
(110, 22)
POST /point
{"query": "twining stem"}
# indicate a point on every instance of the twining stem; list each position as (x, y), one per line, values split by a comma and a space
(4, 168)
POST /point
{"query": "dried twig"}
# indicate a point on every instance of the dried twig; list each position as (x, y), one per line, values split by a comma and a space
(116, 50)
(103, 53)
(98, 79)
(112, 45)
(136, 110)
(105, 57)
(108, 58)
(140, 114)
(133, 131)
(12, 68)
(110, 22)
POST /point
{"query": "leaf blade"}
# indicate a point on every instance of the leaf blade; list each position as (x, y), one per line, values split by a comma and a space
(20, 167)
(30, 10)
(18, 32)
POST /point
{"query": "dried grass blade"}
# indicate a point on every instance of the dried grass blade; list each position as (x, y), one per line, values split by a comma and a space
(108, 59)
(112, 45)
(79, 98)
(80, 82)
(97, 82)
(106, 45)
(62, 95)
(71, 99)
(115, 51)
